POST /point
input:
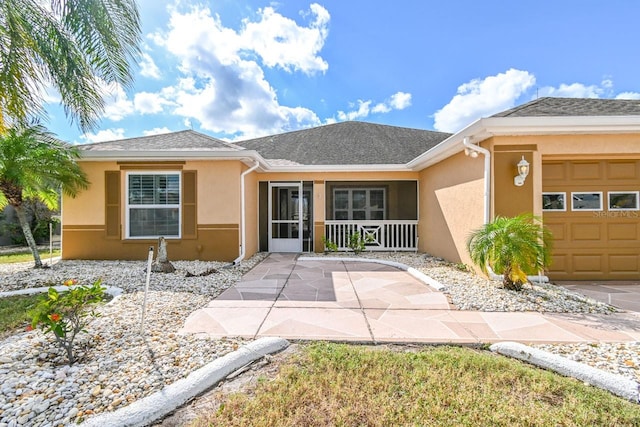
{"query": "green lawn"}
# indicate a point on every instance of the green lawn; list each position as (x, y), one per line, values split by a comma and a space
(343, 385)
(13, 312)
(25, 255)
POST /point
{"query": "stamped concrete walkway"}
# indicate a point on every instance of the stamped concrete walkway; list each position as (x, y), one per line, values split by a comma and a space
(371, 302)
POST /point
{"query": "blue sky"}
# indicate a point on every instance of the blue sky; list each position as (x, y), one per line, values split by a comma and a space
(237, 69)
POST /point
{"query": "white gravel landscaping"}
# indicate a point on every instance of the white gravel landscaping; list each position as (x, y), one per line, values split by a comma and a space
(119, 365)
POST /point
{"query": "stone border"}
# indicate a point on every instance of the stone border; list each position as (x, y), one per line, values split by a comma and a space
(156, 406)
(616, 384)
(412, 271)
(114, 291)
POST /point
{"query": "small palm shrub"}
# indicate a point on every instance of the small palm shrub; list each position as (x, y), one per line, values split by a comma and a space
(513, 247)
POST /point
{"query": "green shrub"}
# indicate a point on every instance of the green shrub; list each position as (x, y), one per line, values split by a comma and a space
(66, 314)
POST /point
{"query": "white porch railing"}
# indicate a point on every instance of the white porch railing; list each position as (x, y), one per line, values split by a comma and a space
(380, 235)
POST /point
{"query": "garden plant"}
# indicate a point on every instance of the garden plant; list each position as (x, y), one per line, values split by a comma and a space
(513, 247)
(66, 314)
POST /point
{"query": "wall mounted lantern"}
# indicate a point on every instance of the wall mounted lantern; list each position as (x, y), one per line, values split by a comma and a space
(523, 171)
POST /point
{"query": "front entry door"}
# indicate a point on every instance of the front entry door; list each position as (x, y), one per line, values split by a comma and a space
(285, 219)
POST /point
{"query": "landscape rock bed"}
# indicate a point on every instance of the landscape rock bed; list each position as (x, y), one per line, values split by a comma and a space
(118, 365)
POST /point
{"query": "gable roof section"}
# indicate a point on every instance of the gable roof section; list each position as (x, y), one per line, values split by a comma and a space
(186, 140)
(559, 107)
(543, 116)
(346, 143)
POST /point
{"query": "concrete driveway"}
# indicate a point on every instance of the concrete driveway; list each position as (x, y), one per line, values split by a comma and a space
(624, 295)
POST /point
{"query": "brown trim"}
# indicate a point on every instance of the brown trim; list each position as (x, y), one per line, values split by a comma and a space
(112, 216)
(189, 205)
(153, 167)
(603, 156)
(212, 245)
(528, 147)
(68, 227)
(318, 181)
(218, 226)
(318, 223)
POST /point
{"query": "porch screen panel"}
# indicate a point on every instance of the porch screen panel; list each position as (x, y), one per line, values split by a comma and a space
(359, 204)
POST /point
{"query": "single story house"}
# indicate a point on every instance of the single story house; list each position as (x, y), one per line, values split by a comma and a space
(573, 162)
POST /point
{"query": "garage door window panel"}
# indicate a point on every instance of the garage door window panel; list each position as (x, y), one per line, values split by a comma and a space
(554, 202)
(586, 201)
(623, 201)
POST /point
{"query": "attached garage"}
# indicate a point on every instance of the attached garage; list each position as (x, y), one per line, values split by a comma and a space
(592, 208)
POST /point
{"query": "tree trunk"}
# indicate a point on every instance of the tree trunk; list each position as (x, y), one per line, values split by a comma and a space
(162, 264)
(26, 230)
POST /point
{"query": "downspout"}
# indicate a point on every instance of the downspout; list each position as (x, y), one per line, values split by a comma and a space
(473, 150)
(470, 150)
(243, 226)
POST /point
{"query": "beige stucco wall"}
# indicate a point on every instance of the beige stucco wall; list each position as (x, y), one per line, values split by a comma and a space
(88, 207)
(218, 191)
(217, 231)
(218, 186)
(451, 205)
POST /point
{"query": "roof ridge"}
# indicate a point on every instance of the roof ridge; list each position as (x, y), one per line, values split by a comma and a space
(139, 137)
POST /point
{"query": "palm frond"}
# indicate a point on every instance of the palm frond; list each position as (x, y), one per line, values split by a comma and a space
(513, 247)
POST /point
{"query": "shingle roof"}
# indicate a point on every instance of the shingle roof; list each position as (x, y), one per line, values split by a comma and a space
(574, 107)
(186, 140)
(347, 143)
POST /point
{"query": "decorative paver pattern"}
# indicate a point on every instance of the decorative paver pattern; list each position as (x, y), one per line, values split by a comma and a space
(370, 302)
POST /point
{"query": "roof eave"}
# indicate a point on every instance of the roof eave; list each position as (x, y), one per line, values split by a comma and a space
(340, 168)
(247, 156)
(561, 124)
(485, 128)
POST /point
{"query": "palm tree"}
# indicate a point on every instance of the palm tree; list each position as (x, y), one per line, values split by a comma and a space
(73, 46)
(512, 247)
(34, 164)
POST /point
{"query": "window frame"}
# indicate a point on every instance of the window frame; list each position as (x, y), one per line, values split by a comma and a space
(129, 206)
(367, 207)
(637, 194)
(556, 193)
(574, 209)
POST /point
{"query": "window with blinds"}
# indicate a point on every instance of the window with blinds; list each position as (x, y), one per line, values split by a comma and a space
(359, 204)
(153, 204)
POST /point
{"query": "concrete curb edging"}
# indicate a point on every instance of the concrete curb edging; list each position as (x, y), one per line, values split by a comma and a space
(412, 271)
(151, 408)
(616, 384)
(114, 291)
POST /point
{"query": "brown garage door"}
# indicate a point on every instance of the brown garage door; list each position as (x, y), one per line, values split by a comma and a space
(591, 207)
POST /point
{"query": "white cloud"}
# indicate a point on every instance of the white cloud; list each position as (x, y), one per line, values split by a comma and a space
(148, 67)
(573, 90)
(222, 84)
(156, 131)
(482, 97)
(397, 101)
(149, 103)
(628, 95)
(117, 104)
(103, 135)
(400, 100)
(281, 42)
(362, 111)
